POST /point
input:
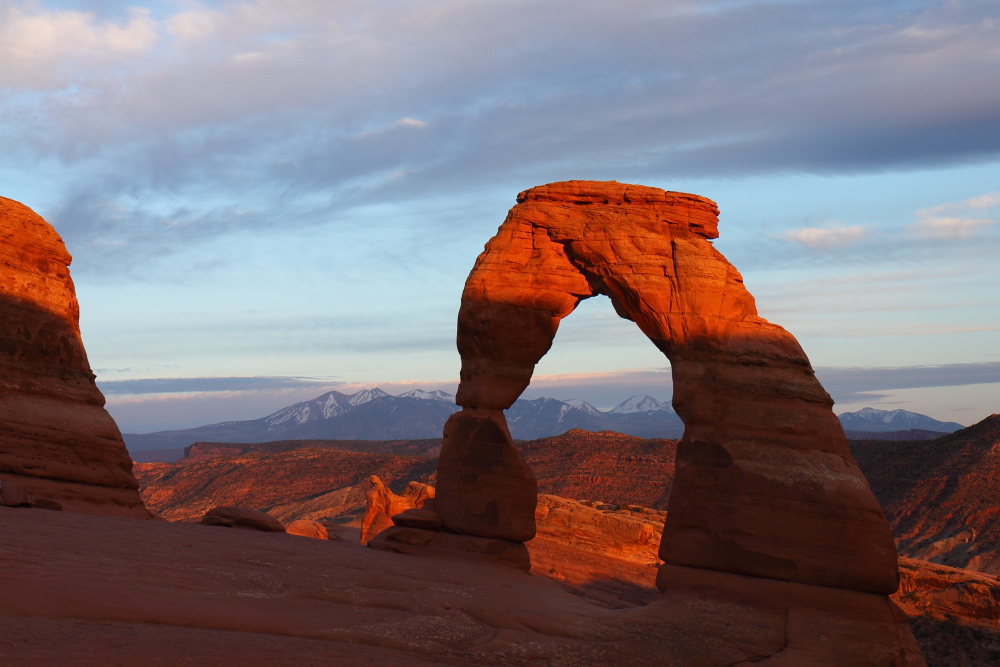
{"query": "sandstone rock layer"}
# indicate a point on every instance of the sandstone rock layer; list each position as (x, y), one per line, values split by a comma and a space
(381, 504)
(765, 484)
(57, 442)
(940, 495)
(768, 510)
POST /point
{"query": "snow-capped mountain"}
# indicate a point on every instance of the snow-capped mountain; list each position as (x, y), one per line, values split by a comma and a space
(644, 403)
(882, 421)
(330, 404)
(541, 417)
(643, 416)
(436, 395)
(586, 407)
(373, 414)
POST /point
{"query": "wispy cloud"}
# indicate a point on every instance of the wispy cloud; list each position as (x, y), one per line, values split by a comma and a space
(951, 220)
(210, 384)
(824, 238)
(145, 405)
(848, 385)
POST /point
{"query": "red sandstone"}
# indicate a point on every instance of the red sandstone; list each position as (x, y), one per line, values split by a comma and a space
(767, 502)
(57, 442)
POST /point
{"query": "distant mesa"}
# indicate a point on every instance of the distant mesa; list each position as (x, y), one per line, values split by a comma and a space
(327, 480)
(58, 445)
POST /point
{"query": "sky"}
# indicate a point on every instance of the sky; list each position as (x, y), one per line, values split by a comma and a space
(266, 200)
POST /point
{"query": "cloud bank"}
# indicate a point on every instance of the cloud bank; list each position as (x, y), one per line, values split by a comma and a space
(160, 404)
(168, 124)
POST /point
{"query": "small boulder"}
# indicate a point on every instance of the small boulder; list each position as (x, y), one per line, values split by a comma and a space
(47, 504)
(240, 517)
(418, 518)
(306, 528)
(12, 494)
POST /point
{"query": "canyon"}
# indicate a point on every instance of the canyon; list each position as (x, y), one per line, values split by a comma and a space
(328, 480)
(940, 495)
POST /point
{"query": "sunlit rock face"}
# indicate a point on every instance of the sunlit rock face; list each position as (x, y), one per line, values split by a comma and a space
(765, 484)
(57, 442)
(767, 505)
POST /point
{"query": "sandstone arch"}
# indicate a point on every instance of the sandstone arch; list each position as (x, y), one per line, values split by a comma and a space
(765, 484)
(57, 442)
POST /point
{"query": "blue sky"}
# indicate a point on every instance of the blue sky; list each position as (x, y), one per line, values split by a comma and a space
(286, 196)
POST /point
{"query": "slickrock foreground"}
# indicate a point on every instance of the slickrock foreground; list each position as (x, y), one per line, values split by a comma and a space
(188, 594)
(57, 442)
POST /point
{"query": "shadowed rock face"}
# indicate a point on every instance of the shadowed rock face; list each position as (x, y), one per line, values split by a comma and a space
(57, 442)
(765, 484)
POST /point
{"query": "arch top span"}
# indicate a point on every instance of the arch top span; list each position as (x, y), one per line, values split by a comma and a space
(765, 484)
(645, 248)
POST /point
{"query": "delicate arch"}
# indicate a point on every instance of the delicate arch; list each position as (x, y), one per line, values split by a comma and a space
(765, 484)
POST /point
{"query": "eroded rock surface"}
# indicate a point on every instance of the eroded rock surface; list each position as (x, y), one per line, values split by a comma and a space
(241, 517)
(382, 504)
(940, 495)
(312, 483)
(57, 442)
(306, 528)
(767, 507)
(764, 485)
(609, 466)
(182, 593)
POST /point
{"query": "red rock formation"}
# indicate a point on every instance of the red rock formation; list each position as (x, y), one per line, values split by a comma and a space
(612, 538)
(382, 504)
(202, 451)
(940, 495)
(57, 442)
(943, 593)
(241, 517)
(767, 506)
(627, 534)
(186, 594)
(314, 484)
(305, 528)
(765, 484)
(955, 614)
(606, 466)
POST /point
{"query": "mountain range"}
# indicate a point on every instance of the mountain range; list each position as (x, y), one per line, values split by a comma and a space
(883, 421)
(373, 414)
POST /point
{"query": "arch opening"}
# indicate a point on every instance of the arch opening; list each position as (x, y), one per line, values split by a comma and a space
(600, 358)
